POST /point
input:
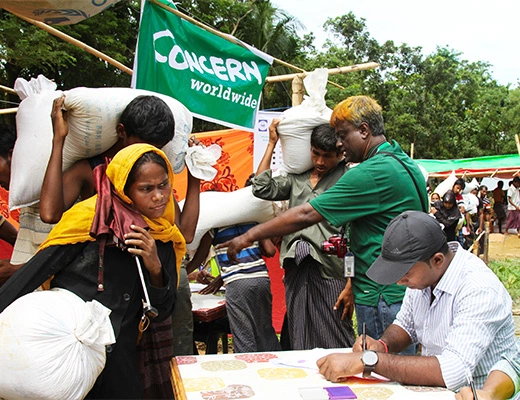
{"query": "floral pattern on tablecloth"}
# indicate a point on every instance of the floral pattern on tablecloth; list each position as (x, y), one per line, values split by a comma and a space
(256, 357)
(203, 383)
(425, 388)
(281, 373)
(373, 393)
(186, 360)
(229, 392)
(225, 365)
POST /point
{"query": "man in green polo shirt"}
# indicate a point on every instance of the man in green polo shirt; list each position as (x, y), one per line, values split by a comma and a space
(367, 197)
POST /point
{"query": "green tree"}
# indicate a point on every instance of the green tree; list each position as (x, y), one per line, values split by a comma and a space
(27, 51)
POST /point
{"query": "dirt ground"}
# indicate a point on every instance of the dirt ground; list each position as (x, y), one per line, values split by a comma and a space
(503, 246)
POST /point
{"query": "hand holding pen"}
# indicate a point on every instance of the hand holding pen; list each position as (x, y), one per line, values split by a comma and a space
(466, 393)
(365, 342)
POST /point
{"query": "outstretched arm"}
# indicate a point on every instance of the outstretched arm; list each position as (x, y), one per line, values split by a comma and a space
(293, 220)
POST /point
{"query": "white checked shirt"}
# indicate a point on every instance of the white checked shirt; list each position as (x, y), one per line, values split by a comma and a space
(468, 326)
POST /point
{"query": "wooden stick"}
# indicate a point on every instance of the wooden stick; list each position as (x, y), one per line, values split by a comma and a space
(179, 393)
(517, 143)
(77, 43)
(331, 71)
(229, 38)
(297, 91)
(8, 110)
(513, 171)
(7, 89)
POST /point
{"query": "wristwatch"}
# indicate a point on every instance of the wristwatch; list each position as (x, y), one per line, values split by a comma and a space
(369, 359)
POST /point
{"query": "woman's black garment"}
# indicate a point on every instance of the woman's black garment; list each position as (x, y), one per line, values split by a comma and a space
(75, 268)
(448, 218)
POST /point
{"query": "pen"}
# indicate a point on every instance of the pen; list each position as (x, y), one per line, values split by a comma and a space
(364, 337)
(471, 385)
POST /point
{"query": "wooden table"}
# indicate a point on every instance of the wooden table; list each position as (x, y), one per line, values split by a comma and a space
(276, 375)
(210, 321)
(208, 307)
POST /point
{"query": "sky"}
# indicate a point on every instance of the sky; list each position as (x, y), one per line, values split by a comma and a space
(480, 30)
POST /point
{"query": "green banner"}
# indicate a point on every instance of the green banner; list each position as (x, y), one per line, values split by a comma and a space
(217, 80)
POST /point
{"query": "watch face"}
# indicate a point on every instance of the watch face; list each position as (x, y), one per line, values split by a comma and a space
(370, 358)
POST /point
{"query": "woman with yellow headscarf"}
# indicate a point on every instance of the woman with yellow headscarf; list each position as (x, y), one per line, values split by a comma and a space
(91, 252)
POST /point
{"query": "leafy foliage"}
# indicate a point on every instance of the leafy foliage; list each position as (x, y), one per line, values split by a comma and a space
(509, 274)
(446, 106)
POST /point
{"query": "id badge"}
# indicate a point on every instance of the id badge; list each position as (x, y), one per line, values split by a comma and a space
(348, 265)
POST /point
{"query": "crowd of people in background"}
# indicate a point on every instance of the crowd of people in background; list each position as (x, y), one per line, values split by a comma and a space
(432, 312)
(465, 209)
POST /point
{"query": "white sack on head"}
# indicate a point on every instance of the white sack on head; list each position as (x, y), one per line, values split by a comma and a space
(446, 184)
(219, 209)
(53, 345)
(297, 124)
(33, 145)
(470, 186)
(199, 160)
(93, 114)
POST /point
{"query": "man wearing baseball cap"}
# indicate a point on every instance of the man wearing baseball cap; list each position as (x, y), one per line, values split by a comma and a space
(454, 306)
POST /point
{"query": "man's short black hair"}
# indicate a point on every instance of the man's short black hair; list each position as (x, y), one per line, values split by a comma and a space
(150, 119)
(7, 139)
(324, 138)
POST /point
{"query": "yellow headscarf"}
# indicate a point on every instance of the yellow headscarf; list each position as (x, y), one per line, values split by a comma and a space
(74, 226)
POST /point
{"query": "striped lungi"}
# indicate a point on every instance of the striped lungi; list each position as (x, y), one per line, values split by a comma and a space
(311, 319)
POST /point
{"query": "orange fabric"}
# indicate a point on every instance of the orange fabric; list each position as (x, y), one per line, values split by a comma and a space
(234, 166)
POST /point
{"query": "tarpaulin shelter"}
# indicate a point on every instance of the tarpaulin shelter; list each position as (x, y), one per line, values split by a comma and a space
(504, 166)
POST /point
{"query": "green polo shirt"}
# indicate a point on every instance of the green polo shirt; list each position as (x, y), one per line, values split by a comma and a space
(369, 196)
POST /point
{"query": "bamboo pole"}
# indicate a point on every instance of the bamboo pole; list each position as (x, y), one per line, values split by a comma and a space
(486, 240)
(331, 71)
(208, 28)
(7, 89)
(297, 90)
(411, 150)
(229, 38)
(513, 172)
(77, 43)
(517, 143)
(8, 110)
(124, 68)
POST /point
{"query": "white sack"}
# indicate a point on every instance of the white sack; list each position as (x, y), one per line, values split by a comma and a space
(219, 209)
(53, 345)
(470, 186)
(297, 124)
(93, 115)
(199, 160)
(33, 145)
(446, 184)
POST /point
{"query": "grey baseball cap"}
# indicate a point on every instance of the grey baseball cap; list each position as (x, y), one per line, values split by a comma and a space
(410, 237)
